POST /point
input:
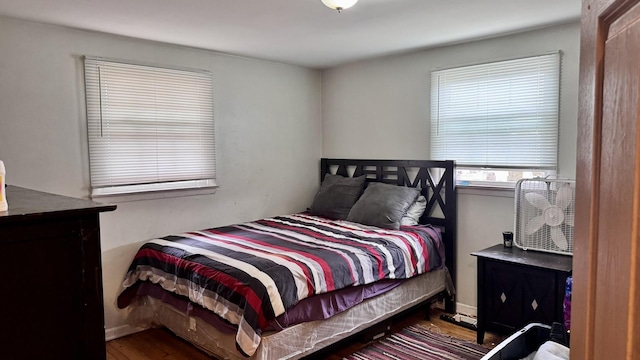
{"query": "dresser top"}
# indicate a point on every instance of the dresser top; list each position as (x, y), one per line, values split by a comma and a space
(527, 257)
(27, 204)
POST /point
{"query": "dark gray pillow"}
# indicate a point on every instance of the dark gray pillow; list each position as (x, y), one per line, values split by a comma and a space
(336, 196)
(383, 205)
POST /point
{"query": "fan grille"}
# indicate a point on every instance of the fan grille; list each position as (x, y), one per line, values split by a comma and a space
(535, 223)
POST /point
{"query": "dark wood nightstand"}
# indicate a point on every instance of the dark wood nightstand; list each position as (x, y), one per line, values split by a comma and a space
(517, 287)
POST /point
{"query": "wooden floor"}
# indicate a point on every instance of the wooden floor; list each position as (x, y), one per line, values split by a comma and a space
(156, 344)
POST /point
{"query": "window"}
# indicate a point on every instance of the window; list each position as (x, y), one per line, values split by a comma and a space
(150, 128)
(498, 120)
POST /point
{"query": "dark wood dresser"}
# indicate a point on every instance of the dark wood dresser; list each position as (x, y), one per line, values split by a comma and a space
(51, 303)
(518, 287)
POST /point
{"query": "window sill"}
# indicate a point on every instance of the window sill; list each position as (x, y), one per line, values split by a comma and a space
(152, 195)
(486, 190)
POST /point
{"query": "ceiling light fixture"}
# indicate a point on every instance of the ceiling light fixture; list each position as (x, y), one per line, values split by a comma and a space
(339, 4)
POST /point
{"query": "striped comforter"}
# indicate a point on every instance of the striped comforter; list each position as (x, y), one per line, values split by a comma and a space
(250, 273)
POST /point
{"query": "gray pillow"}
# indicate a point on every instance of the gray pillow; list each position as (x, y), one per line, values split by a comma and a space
(336, 196)
(383, 205)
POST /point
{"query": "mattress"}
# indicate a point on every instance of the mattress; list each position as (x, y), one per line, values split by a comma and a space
(296, 341)
(250, 274)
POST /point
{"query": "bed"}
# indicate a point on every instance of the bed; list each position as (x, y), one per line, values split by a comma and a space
(229, 296)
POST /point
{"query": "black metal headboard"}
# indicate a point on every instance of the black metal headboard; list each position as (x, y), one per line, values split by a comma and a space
(436, 180)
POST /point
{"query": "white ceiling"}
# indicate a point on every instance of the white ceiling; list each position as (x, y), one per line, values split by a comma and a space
(301, 32)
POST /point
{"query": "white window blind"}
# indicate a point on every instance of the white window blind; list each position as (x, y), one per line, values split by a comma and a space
(500, 115)
(150, 128)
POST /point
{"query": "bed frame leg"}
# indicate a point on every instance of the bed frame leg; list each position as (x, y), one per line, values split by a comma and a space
(450, 305)
(427, 312)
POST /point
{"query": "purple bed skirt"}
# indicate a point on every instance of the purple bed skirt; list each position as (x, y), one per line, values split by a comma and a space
(317, 307)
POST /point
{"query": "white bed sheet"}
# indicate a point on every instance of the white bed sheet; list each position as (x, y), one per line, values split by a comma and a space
(296, 341)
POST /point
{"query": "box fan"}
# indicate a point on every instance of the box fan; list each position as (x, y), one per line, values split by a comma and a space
(544, 215)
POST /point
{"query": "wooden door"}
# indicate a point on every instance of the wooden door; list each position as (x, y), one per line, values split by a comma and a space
(606, 294)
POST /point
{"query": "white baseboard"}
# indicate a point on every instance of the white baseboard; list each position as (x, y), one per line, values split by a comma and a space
(460, 308)
(120, 331)
(466, 309)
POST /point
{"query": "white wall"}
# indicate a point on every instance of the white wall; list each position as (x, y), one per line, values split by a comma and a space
(380, 109)
(273, 122)
(268, 129)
